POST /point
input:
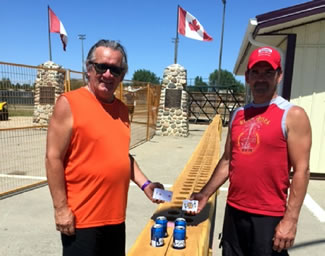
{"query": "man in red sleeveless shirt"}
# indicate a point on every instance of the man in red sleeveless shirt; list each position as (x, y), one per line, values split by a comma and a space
(87, 159)
(266, 139)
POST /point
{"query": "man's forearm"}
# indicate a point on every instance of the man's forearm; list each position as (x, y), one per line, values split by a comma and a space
(56, 183)
(298, 189)
(219, 177)
(137, 176)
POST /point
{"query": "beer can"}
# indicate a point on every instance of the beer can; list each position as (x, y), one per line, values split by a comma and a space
(179, 237)
(180, 222)
(162, 220)
(157, 235)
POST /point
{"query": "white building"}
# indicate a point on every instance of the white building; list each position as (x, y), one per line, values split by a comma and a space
(298, 32)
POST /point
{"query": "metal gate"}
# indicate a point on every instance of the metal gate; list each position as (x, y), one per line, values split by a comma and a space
(207, 101)
(23, 141)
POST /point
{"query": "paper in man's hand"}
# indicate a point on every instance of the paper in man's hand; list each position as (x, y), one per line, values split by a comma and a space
(163, 195)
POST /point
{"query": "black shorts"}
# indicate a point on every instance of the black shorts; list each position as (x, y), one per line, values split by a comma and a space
(97, 241)
(246, 234)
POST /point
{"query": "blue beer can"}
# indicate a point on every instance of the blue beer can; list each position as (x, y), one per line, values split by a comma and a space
(162, 220)
(179, 237)
(180, 222)
(157, 235)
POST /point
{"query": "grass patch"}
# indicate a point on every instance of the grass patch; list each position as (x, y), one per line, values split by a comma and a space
(20, 112)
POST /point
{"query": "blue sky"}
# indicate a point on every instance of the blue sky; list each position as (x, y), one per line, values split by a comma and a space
(144, 27)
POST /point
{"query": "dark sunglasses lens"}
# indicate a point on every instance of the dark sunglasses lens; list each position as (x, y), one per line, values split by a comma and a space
(116, 71)
(102, 68)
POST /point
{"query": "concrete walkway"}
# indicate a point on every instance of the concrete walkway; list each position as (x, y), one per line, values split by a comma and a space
(27, 224)
(26, 220)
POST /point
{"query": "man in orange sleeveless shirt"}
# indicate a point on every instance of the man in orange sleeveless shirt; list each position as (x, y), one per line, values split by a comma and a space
(87, 159)
(266, 138)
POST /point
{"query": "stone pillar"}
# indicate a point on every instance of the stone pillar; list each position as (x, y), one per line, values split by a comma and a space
(49, 85)
(173, 108)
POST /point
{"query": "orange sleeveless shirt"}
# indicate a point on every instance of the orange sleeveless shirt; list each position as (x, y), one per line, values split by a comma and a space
(97, 165)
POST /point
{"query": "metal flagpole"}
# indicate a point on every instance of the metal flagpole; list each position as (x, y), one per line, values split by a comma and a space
(82, 37)
(176, 39)
(221, 43)
(48, 15)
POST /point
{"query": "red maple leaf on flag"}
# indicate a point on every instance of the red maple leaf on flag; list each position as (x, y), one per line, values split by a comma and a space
(194, 25)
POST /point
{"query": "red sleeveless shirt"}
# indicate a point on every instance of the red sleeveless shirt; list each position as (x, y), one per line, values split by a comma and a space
(259, 166)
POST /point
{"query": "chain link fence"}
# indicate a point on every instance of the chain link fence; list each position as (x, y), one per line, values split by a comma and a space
(23, 135)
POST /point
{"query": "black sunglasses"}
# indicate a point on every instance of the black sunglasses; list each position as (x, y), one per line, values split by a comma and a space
(101, 68)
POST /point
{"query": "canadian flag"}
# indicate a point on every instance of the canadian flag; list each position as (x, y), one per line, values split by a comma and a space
(56, 26)
(190, 27)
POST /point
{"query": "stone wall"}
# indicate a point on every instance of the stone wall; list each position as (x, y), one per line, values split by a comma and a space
(173, 109)
(49, 78)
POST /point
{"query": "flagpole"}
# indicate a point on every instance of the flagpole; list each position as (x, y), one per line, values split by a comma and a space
(176, 39)
(221, 42)
(48, 15)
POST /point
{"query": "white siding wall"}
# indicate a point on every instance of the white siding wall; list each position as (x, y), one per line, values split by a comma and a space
(308, 86)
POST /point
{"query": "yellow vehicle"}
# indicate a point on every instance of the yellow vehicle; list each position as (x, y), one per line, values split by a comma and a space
(4, 115)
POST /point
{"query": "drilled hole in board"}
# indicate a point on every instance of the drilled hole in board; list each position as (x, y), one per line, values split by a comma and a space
(174, 212)
(188, 220)
(171, 218)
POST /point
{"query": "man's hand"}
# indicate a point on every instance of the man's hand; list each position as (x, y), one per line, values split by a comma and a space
(202, 202)
(284, 236)
(65, 221)
(149, 191)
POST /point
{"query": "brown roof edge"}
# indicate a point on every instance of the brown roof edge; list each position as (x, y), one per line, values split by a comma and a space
(278, 17)
(290, 13)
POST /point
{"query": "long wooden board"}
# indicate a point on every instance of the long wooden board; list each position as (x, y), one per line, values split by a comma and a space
(194, 176)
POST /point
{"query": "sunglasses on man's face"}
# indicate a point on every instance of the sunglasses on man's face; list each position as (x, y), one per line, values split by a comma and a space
(101, 68)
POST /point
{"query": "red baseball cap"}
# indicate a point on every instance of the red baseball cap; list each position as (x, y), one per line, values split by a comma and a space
(266, 54)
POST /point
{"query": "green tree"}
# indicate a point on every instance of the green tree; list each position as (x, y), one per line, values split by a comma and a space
(226, 79)
(198, 81)
(76, 83)
(143, 75)
(18, 86)
(29, 87)
(5, 84)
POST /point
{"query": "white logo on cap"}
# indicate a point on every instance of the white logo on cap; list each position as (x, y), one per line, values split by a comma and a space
(265, 51)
